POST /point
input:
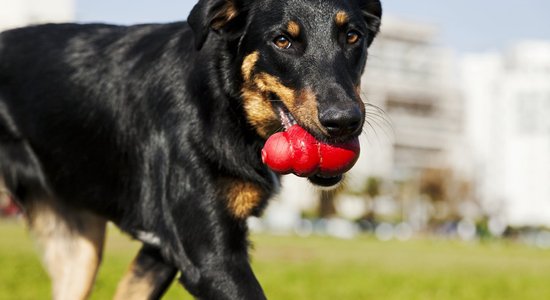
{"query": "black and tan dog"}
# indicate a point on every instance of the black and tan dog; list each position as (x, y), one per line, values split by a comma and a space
(158, 128)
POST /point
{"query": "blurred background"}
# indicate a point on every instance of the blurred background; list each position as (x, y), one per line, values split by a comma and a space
(457, 148)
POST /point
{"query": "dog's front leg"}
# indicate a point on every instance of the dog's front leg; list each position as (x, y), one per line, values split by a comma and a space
(225, 278)
(214, 248)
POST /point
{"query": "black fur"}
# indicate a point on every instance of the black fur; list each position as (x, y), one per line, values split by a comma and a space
(138, 124)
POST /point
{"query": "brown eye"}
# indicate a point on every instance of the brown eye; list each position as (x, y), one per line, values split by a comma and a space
(282, 42)
(352, 37)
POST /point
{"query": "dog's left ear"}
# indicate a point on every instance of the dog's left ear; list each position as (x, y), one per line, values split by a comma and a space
(372, 12)
(213, 15)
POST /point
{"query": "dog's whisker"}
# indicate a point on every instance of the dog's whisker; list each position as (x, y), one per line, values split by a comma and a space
(374, 130)
(380, 121)
(387, 130)
(377, 117)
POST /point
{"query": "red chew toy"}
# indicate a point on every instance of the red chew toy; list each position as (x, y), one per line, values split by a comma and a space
(296, 151)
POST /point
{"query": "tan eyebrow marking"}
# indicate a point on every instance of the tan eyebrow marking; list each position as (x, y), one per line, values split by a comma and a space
(293, 29)
(341, 18)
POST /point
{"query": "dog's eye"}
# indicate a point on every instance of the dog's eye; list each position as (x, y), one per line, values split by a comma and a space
(282, 42)
(352, 37)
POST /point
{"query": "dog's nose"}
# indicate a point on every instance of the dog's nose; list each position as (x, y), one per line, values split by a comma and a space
(341, 121)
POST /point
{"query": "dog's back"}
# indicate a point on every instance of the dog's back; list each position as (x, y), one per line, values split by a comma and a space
(69, 90)
(72, 130)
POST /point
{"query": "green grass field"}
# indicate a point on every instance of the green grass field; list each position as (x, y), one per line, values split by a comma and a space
(324, 268)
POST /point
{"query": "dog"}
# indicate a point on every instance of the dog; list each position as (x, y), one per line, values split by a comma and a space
(158, 128)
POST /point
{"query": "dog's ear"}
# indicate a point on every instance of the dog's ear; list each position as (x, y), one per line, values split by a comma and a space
(372, 12)
(213, 15)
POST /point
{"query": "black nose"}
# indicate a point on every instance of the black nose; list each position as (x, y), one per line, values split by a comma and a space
(341, 121)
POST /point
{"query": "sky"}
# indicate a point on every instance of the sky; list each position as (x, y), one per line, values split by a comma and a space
(465, 25)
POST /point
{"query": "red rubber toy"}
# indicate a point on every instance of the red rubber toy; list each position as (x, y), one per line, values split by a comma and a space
(298, 152)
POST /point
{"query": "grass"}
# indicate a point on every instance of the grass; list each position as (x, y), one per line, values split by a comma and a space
(324, 268)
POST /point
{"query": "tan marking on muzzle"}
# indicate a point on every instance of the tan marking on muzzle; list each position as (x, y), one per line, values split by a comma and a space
(248, 65)
(307, 110)
(271, 84)
(258, 88)
(258, 109)
(259, 112)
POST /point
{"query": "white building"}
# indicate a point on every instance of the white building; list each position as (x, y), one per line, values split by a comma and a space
(508, 125)
(17, 13)
(415, 83)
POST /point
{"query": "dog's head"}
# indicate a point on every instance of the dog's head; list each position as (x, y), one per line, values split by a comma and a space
(297, 61)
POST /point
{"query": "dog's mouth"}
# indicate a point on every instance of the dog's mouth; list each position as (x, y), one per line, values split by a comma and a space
(295, 150)
(326, 182)
(286, 118)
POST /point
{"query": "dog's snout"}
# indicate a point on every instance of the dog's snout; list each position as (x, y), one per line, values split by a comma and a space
(341, 121)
